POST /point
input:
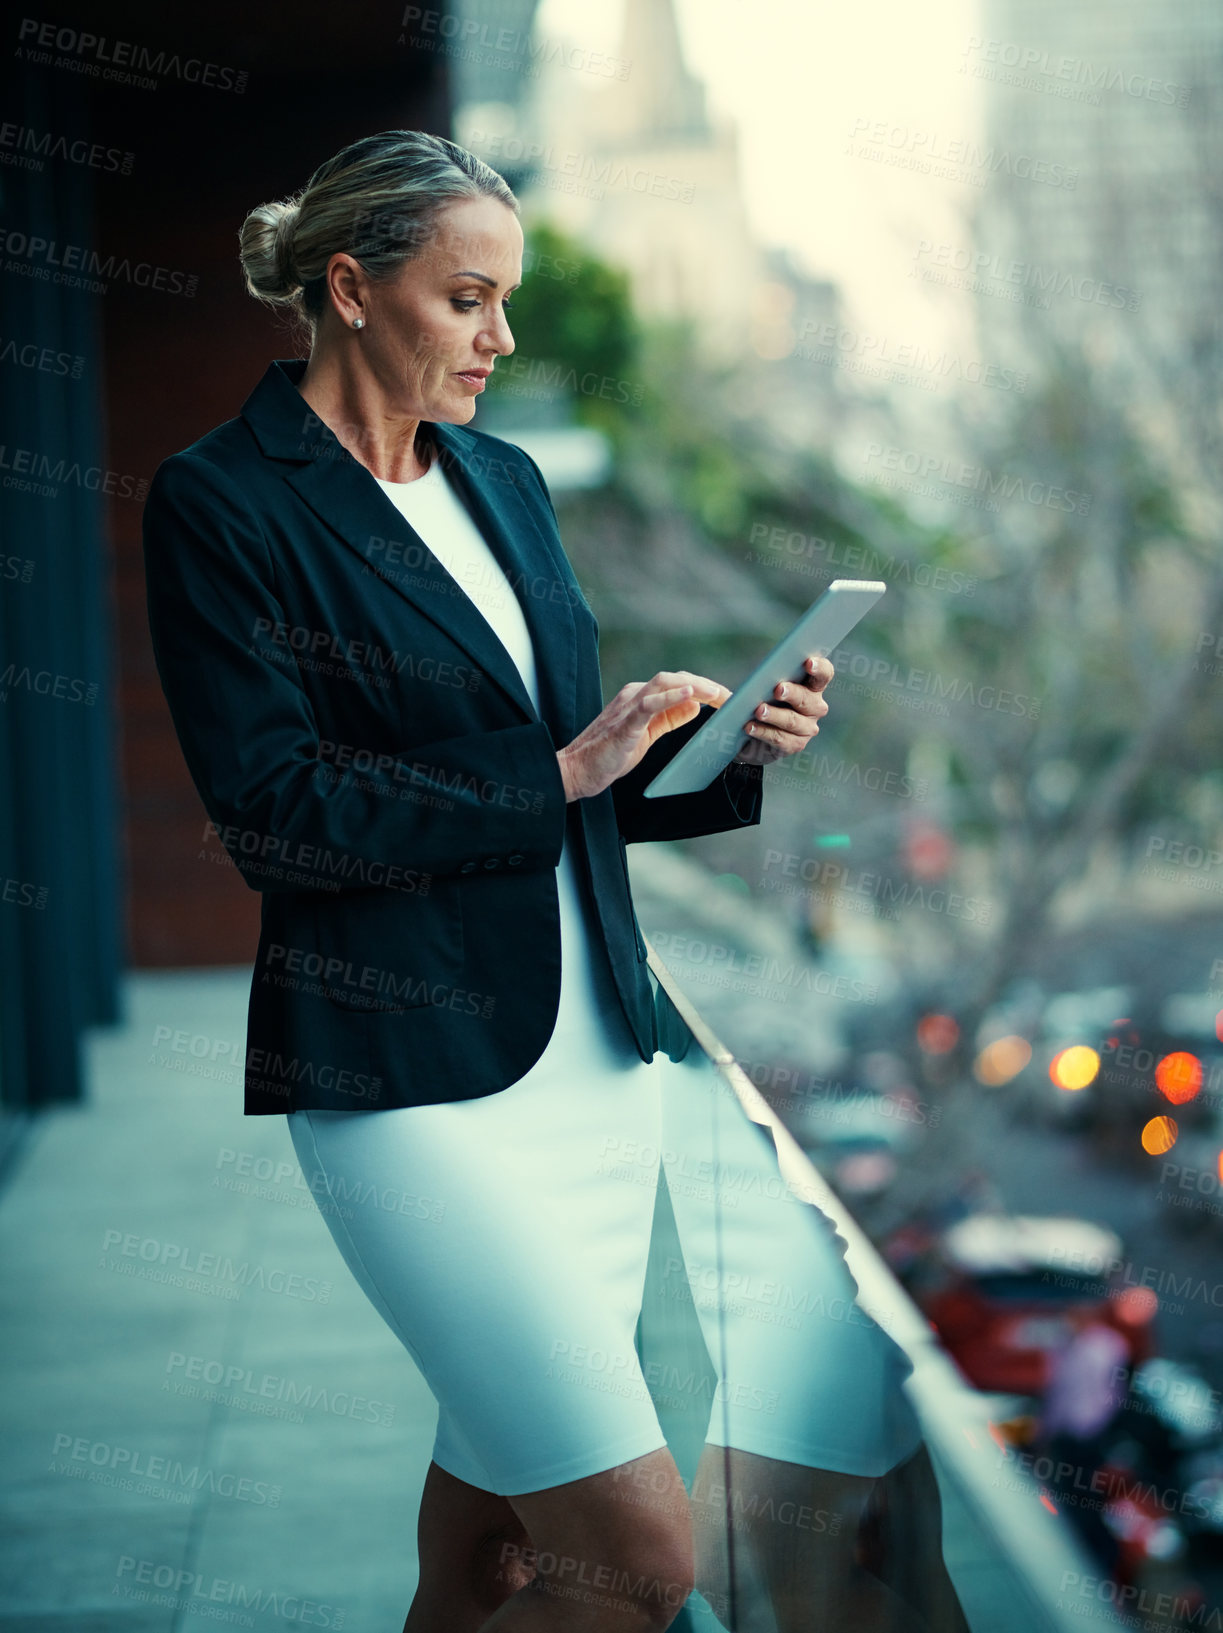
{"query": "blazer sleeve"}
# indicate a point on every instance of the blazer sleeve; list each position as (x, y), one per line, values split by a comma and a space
(733, 800)
(250, 738)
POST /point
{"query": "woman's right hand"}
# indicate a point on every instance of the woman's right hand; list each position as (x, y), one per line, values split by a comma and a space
(638, 715)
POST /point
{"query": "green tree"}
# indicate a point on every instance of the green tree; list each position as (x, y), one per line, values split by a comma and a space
(575, 337)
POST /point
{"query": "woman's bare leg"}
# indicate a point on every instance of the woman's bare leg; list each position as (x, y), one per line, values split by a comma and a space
(472, 1548)
(612, 1553)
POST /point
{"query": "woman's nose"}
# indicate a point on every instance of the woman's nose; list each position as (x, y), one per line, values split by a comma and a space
(498, 336)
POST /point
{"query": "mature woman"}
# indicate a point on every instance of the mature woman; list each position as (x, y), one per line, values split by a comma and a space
(384, 677)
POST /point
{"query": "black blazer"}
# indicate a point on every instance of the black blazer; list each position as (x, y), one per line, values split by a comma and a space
(369, 757)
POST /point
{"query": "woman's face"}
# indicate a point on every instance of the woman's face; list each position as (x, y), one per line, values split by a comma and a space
(443, 317)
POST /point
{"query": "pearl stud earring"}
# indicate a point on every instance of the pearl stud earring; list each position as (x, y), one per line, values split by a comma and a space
(358, 323)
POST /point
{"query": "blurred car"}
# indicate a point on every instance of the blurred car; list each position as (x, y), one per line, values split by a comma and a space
(1007, 1293)
(1168, 1064)
(1064, 1021)
(1109, 1064)
(1169, 1438)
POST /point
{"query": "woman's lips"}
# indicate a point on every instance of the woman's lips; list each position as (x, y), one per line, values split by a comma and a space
(472, 379)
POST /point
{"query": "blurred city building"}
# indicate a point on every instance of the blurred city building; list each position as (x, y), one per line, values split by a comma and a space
(622, 152)
(1102, 211)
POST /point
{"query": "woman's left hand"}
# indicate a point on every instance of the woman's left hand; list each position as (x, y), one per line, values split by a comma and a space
(788, 724)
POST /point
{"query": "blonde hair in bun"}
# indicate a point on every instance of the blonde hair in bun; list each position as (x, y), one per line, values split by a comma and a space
(266, 251)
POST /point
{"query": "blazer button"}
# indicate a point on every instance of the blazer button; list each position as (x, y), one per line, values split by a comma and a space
(493, 862)
(468, 867)
(514, 860)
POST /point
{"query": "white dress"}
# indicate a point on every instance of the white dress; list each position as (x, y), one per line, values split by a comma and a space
(504, 1239)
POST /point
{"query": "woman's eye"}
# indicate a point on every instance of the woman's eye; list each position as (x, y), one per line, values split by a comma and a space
(466, 305)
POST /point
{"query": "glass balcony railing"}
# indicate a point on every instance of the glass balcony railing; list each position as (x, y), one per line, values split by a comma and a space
(752, 1337)
(241, 1438)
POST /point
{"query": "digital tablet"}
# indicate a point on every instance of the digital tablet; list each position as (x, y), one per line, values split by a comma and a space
(818, 632)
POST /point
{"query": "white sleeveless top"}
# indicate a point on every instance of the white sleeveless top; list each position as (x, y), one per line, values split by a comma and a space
(591, 1030)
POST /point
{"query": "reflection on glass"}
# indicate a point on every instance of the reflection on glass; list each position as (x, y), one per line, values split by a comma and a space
(814, 1503)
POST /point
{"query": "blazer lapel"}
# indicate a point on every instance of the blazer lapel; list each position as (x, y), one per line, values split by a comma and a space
(343, 493)
(345, 496)
(533, 564)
